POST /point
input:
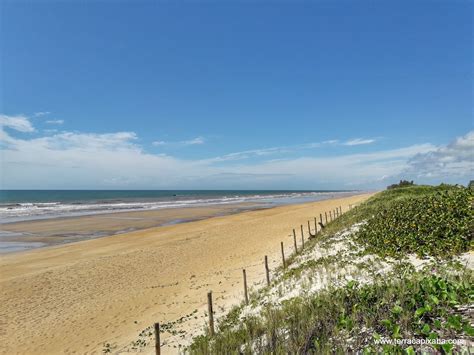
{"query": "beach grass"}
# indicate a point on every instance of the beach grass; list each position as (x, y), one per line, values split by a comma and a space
(351, 318)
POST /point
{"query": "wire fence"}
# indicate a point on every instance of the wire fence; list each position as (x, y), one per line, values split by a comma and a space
(329, 216)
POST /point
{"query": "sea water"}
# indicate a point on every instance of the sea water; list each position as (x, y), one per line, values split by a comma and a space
(22, 205)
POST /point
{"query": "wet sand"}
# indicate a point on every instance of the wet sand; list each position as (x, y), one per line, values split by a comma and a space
(79, 297)
(18, 236)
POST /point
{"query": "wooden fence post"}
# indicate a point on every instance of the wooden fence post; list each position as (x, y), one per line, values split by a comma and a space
(340, 210)
(330, 216)
(302, 235)
(326, 216)
(283, 255)
(311, 235)
(157, 339)
(315, 226)
(267, 270)
(245, 287)
(211, 313)
(294, 240)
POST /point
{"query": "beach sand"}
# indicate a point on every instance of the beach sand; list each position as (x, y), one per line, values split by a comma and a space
(55, 231)
(77, 297)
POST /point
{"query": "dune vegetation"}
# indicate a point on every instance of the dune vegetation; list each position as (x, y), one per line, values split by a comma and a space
(392, 275)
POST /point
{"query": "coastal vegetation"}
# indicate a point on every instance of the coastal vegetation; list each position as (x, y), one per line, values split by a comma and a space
(436, 223)
(402, 183)
(391, 269)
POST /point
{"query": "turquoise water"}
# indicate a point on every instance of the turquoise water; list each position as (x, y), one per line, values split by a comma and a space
(20, 205)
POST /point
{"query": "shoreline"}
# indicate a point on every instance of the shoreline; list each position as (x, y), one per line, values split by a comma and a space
(20, 236)
(45, 233)
(71, 203)
(79, 296)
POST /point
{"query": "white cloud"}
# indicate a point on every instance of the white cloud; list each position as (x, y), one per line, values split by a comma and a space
(359, 141)
(158, 143)
(354, 170)
(453, 162)
(194, 141)
(331, 141)
(81, 160)
(87, 141)
(41, 113)
(18, 123)
(252, 153)
(89, 160)
(54, 122)
(50, 131)
(116, 160)
(247, 154)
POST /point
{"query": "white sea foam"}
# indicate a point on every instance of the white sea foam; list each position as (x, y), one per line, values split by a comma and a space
(41, 210)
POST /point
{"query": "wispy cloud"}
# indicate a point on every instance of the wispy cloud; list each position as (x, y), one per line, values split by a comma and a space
(89, 142)
(262, 152)
(247, 154)
(193, 141)
(50, 131)
(298, 148)
(92, 160)
(41, 113)
(58, 122)
(454, 161)
(358, 141)
(18, 123)
(158, 143)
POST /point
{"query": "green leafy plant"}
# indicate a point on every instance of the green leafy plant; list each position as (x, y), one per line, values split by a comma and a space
(415, 306)
(438, 225)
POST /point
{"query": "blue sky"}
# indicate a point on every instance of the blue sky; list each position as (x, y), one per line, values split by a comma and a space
(321, 94)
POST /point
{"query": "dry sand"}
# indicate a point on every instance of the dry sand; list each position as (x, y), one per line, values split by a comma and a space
(75, 298)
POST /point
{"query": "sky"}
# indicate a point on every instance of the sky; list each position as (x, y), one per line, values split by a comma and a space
(235, 95)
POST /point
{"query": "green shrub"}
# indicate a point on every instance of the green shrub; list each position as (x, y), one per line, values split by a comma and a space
(438, 224)
(402, 183)
(471, 185)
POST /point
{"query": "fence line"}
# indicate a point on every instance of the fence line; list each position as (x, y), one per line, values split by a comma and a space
(333, 215)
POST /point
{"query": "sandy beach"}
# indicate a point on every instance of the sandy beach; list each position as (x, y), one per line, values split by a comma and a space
(55, 231)
(79, 297)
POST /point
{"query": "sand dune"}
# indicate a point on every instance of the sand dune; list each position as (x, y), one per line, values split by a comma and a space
(76, 298)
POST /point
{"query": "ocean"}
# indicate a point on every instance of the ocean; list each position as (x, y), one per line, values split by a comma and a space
(22, 205)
